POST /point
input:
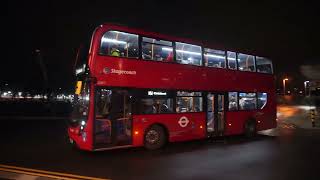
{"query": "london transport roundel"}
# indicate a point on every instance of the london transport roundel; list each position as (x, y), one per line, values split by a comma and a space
(183, 121)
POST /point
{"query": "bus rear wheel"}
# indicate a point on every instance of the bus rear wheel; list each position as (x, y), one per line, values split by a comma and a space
(154, 137)
(250, 129)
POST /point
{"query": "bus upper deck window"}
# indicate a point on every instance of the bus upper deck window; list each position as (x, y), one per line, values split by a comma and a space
(214, 58)
(232, 63)
(188, 54)
(246, 62)
(120, 44)
(264, 65)
(158, 50)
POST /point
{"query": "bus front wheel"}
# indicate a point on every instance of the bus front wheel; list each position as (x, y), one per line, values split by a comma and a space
(154, 137)
(250, 129)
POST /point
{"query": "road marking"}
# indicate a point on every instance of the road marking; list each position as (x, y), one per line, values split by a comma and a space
(42, 173)
(33, 118)
(287, 126)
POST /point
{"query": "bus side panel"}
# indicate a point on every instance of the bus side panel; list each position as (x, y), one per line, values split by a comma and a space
(192, 128)
(235, 121)
(74, 134)
(266, 118)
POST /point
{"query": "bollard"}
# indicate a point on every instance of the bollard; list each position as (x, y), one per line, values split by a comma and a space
(312, 118)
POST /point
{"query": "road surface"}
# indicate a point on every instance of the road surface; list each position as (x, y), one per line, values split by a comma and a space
(288, 152)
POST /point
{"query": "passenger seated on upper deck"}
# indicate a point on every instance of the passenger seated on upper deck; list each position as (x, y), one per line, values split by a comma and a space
(169, 57)
(146, 56)
(115, 51)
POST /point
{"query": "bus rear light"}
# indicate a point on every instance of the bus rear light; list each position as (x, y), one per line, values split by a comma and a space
(136, 132)
(259, 121)
(201, 127)
(229, 124)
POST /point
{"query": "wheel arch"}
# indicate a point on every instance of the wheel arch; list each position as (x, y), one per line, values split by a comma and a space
(250, 120)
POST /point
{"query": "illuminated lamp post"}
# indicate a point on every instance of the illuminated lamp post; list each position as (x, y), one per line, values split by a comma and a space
(305, 87)
(284, 85)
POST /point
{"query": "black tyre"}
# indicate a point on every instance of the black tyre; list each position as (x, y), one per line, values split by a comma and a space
(250, 129)
(155, 137)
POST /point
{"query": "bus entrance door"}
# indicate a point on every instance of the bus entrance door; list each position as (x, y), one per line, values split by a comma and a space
(215, 114)
(113, 119)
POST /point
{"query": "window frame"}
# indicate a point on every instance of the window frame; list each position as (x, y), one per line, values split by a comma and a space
(254, 62)
(258, 98)
(225, 59)
(88, 86)
(236, 101)
(202, 104)
(142, 95)
(119, 57)
(140, 49)
(201, 53)
(272, 71)
(157, 98)
(255, 101)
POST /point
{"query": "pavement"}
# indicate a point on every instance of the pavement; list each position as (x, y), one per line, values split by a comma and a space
(287, 152)
(299, 116)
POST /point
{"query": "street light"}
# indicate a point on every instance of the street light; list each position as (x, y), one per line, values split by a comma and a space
(305, 87)
(284, 85)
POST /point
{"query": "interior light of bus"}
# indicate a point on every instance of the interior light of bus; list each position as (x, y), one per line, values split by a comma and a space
(182, 51)
(113, 41)
(166, 49)
(136, 132)
(196, 53)
(215, 56)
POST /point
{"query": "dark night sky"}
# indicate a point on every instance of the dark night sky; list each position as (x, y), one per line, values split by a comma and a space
(288, 33)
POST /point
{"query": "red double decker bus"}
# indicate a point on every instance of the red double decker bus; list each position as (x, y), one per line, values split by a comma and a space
(138, 88)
